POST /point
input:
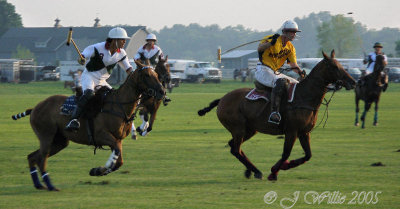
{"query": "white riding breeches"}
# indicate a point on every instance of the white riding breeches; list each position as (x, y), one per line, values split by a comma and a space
(89, 82)
(267, 76)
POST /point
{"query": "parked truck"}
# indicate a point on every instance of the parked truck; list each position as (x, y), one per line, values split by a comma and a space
(193, 71)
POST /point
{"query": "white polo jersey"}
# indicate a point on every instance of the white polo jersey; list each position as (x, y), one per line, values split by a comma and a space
(371, 62)
(151, 54)
(106, 60)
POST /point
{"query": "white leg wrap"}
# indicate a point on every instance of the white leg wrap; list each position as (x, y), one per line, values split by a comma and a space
(144, 124)
(111, 160)
(133, 129)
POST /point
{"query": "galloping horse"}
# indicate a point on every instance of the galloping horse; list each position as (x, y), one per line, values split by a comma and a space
(111, 125)
(148, 104)
(244, 118)
(370, 91)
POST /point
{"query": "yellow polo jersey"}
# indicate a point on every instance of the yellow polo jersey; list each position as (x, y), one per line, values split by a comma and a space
(276, 55)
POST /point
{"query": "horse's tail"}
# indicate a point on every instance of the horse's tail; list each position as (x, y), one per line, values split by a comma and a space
(205, 110)
(22, 114)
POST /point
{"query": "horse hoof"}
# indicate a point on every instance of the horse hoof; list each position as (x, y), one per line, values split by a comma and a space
(375, 124)
(41, 187)
(97, 171)
(54, 190)
(258, 175)
(285, 165)
(247, 173)
(134, 137)
(356, 124)
(272, 177)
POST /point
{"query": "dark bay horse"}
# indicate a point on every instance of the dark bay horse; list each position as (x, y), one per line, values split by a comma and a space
(370, 91)
(149, 104)
(109, 129)
(244, 118)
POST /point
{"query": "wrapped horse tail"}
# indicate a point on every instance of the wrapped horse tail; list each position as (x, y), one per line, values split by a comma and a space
(22, 114)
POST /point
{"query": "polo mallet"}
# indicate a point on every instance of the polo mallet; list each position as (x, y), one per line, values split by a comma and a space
(219, 53)
(69, 40)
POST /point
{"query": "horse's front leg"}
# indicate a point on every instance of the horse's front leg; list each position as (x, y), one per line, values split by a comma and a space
(357, 111)
(142, 129)
(305, 144)
(113, 162)
(290, 138)
(133, 131)
(366, 108)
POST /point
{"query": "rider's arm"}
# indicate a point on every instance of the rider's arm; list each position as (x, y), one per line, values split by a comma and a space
(124, 64)
(263, 46)
(295, 67)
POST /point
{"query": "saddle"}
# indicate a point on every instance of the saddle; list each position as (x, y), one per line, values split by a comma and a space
(264, 92)
(92, 108)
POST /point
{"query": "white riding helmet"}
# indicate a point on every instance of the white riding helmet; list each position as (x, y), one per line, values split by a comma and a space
(151, 36)
(118, 33)
(290, 25)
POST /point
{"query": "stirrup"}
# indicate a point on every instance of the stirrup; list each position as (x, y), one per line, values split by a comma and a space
(73, 125)
(273, 121)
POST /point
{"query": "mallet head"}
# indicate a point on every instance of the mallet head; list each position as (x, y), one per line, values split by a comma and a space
(69, 36)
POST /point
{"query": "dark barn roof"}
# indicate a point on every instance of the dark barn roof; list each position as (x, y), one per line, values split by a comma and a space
(47, 39)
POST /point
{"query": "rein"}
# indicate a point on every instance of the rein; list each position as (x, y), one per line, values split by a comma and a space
(326, 112)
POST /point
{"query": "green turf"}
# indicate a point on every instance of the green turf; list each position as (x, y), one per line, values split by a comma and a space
(184, 163)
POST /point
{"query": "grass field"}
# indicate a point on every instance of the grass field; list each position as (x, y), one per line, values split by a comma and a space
(184, 163)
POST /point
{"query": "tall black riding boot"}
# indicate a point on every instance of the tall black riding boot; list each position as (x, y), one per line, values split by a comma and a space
(74, 124)
(276, 96)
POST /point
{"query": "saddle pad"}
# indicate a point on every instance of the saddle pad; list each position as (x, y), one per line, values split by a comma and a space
(291, 90)
(69, 106)
(254, 95)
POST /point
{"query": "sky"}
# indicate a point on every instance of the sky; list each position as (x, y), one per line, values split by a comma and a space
(258, 15)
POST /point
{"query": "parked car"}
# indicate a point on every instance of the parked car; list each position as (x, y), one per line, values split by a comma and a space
(355, 73)
(394, 74)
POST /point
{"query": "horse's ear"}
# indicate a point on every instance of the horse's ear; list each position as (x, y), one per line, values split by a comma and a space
(325, 56)
(333, 53)
(166, 58)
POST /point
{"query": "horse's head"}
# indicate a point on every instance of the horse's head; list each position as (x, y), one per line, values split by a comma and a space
(379, 63)
(146, 81)
(335, 73)
(162, 69)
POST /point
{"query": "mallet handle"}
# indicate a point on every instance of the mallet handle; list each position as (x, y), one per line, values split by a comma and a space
(77, 50)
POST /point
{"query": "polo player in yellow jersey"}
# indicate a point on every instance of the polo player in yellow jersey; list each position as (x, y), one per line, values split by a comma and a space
(273, 51)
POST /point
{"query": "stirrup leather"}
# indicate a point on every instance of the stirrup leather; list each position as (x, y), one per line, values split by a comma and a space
(272, 121)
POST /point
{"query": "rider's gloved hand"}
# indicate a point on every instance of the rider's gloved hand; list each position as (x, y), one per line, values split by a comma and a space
(274, 38)
(81, 60)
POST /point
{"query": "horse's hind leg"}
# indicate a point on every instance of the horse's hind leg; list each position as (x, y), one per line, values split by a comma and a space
(235, 144)
(32, 168)
(376, 113)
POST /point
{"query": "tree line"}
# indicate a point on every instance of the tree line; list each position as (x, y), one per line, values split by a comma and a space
(320, 31)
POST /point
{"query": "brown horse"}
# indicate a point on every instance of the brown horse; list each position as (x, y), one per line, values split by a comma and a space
(244, 118)
(111, 125)
(148, 104)
(370, 90)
